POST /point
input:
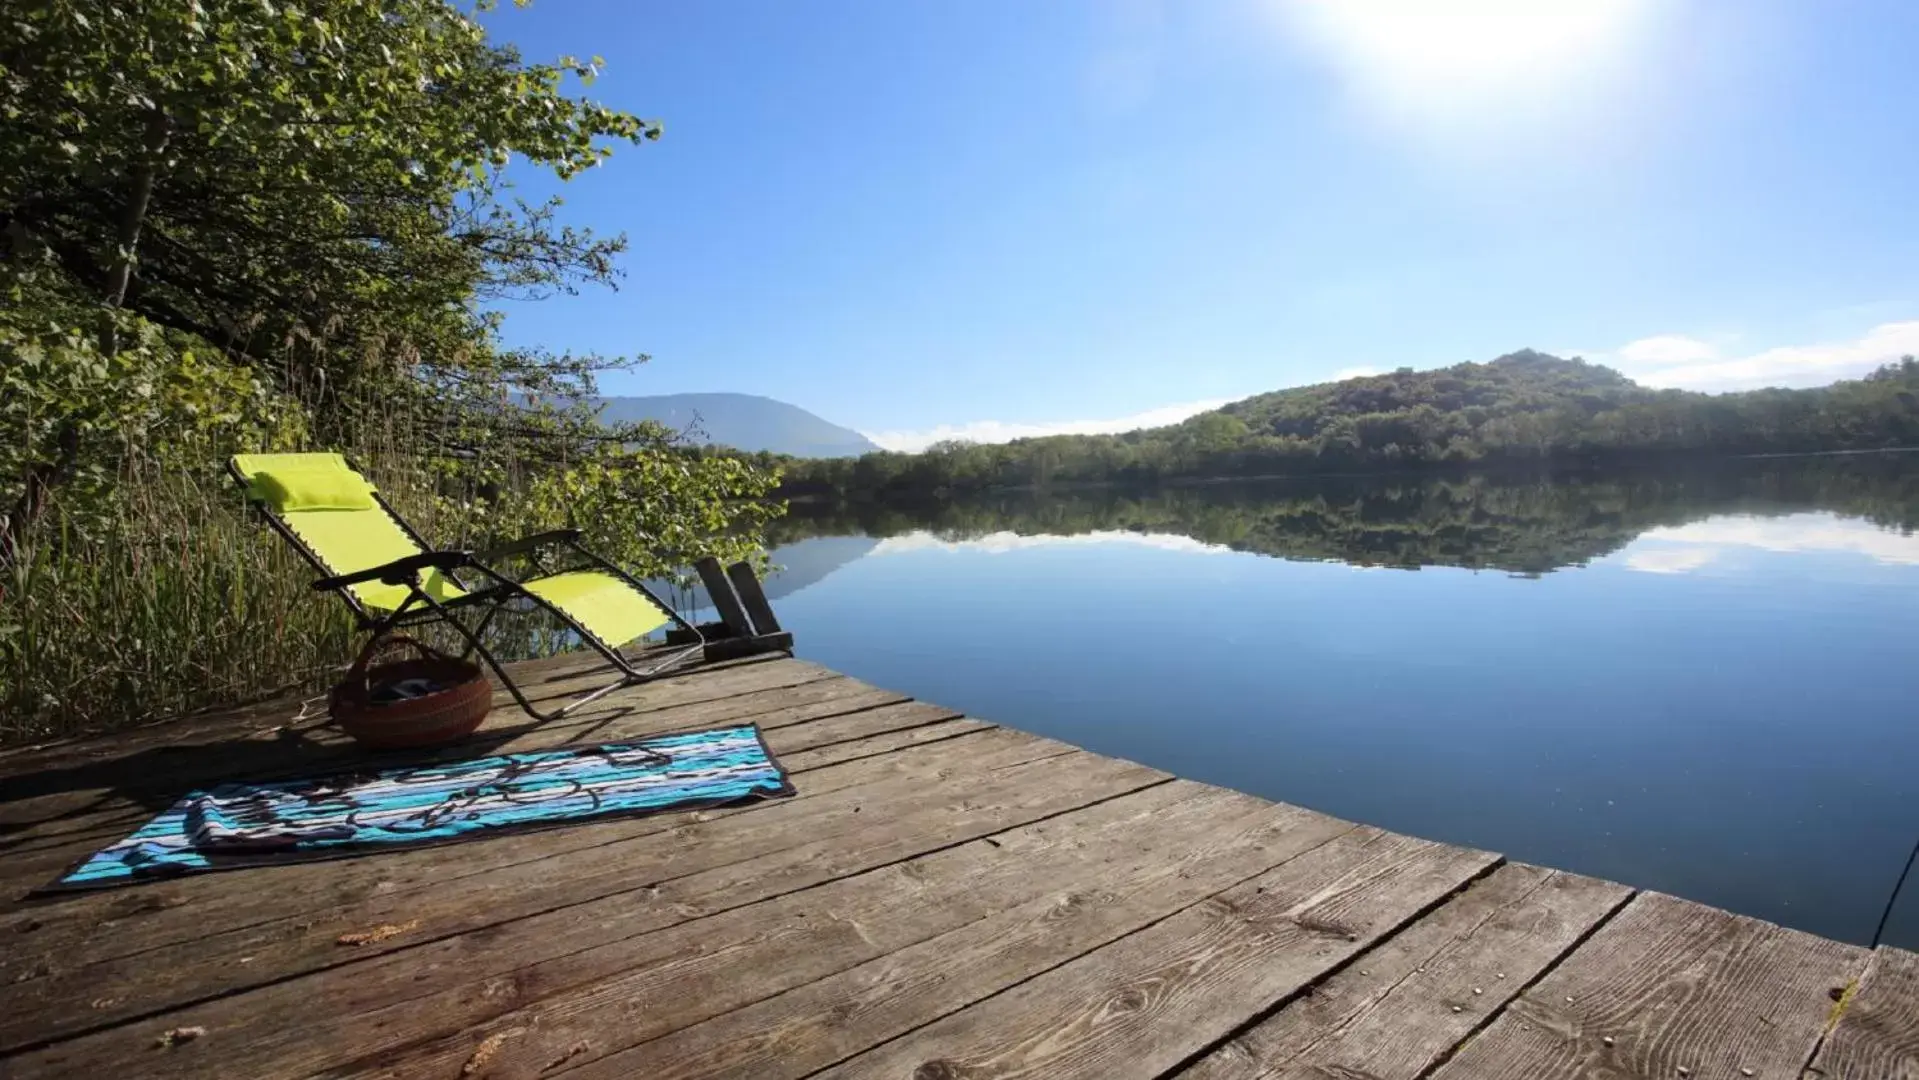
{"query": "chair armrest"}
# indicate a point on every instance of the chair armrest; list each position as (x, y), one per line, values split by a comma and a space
(529, 543)
(399, 571)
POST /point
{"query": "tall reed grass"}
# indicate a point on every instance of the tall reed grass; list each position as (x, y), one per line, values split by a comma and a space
(176, 598)
(171, 600)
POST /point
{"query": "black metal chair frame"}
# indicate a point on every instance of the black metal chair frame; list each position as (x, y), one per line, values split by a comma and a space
(495, 596)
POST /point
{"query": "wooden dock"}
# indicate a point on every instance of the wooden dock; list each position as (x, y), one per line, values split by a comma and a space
(944, 899)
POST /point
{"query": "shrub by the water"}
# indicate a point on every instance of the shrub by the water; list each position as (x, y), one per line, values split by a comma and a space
(228, 225)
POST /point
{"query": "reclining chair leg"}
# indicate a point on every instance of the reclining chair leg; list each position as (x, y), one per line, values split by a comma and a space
(629, 675)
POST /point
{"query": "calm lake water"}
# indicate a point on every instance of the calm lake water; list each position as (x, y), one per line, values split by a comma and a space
(1704, 683)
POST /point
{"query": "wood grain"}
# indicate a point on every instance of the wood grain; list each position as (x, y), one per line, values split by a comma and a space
(1403, 1006)
(482, 970)
(1877, 1037)
(803, 761)
(813, 1026)
(410, 888)
(1669, 985)
(66, 929)
(699, 970)
(85, 807)
(1147, 1002)
(943, 899)
(542, 680)
(97, 818)
(237, 718)
(76, 930)
(140, 776)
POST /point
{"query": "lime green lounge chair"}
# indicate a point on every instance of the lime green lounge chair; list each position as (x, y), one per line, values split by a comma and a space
(391, 578)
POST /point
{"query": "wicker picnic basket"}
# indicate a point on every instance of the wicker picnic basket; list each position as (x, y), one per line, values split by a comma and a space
(451, 712)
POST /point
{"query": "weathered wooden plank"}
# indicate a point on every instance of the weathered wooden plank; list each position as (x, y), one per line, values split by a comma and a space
(696, 682)
(1669, 985)
(203, 936)
(880, 744)
(1399, 1009)
(1877, 1034)
(543, 681)
(845, 727)
(93, 927)
(1141, 842)
(1149, 1001)
(480, 970)
(239, 717)
(865, 929)
(68, 934)
(89, 816)
(1069, 883)
(32, 795)
(33, 857)
(62, 806)
(825, 1021)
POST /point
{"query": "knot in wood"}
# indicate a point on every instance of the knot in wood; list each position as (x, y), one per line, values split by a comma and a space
(1066, 905)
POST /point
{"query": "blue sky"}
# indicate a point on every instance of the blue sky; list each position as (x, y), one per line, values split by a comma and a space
(1000, 216)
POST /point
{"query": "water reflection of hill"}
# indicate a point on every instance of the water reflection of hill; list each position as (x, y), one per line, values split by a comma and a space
(1526, 525)
(807, 562)
(802, 559)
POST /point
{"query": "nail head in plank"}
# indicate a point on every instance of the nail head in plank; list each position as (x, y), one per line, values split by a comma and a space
(1876, 1036)
(1149, 1001)
(1405, 1004)
(1070, 870)
(1675, 985)
(446, 985)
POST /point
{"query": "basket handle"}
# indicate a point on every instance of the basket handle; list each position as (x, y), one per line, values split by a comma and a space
(380, 643)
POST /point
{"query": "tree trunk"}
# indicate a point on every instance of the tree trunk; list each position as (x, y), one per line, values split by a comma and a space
(132, 216)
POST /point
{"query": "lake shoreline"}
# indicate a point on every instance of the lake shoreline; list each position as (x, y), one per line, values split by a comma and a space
(1692, 678)
(1545, 470)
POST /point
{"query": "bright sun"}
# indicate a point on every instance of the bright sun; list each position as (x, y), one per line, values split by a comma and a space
(1427, 55)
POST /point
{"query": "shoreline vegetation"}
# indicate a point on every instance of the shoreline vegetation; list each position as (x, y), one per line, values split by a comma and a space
(1528, 522)
(1526, 409)
(1549, 467)
(232, 226)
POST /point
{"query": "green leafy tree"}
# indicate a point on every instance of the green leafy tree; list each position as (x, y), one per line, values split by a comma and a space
(320, 191)
(327, 170)
(236, 224)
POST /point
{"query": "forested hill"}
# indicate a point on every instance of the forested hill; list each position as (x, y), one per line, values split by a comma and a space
(1423, 412)
(1523, 407)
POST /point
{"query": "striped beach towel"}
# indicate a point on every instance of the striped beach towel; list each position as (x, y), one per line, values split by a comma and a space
(240, 825)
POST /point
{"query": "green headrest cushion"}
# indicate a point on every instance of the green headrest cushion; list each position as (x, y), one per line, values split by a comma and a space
(289, 488)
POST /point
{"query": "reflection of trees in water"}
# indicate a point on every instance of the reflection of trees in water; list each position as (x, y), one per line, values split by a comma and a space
(1520, 524)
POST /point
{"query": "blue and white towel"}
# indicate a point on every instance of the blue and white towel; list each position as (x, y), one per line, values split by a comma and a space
(237, 825)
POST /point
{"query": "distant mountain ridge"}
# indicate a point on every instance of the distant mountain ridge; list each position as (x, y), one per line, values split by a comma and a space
(742, 421)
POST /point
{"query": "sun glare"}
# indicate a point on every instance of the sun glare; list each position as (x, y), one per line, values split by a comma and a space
(1429, 55)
